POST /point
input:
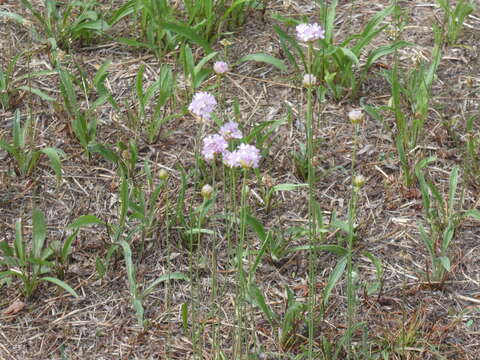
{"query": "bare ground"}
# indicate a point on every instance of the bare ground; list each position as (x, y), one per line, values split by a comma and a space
(101, 323)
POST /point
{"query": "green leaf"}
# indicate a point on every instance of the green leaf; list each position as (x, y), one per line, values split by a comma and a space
(377, 262)
(6, 249)
(37, 92)
(330, 21)
(371, 29)
(259, 256)
(257, 226)
(452, 189)
(127, 255)
(100, 267)
(97, 26)
(62, 284)
(447, 238)
(202, 62)
(334, 249)
(286, 39)
(261, 57)
(18, 132)
(445, 261)
(67, 245)
(163, 278)
(473, 214)
(188, 33)
(15, 17)
(349, 54)
(125, 10)
(257, 297)
(18, 242)
(232, 7)
(134, 43)
(184, 312)
(55, 162)
(104, 151)
(39, 232)
(10, 273)
(35, 74)
(427, 240)
(85, 220)
(139, 311)
(385, 50)
(290, 320)
(196, 231)
(45, 264)
(288, 187)
(334, 277)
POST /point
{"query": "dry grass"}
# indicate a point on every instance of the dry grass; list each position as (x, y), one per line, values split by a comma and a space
(101, 323)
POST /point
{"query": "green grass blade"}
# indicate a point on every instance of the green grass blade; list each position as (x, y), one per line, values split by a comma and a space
(15, 17)
(268, 59)
(258, 298)
(163, 278)
(187, 33)
(55, 162)
(127, 255)
(334, 277)
(37, 92)
(85, 220)
(39, 232)
(452, 190)
(385, 50)
(18, 242)
(61, 284)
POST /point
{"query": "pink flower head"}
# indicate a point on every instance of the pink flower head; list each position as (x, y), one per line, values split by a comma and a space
(213, 145)
(229, 158)
(309, 80)
(246, 156)
(310, 32)
(230, 130)
(203, 104)
(220, 67)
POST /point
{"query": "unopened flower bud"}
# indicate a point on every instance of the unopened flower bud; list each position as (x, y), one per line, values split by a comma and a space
(220, 67)
(163, 174)
(355, 276)
(356, 116)
(359, 181)
(207, 191)
(309, 80)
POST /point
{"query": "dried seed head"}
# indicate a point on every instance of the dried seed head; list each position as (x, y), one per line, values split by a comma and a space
(126, 155)
(267, 180)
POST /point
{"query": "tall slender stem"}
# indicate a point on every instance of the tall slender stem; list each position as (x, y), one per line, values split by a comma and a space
(311, 210)
(351, 220)
(242, 288)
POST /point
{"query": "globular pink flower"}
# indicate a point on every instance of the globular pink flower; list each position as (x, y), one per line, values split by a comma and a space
(246, 156)
(202, 105)
(310, 32)
(220, 67)
(230, 130)
(213, 145)
(229, 158)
